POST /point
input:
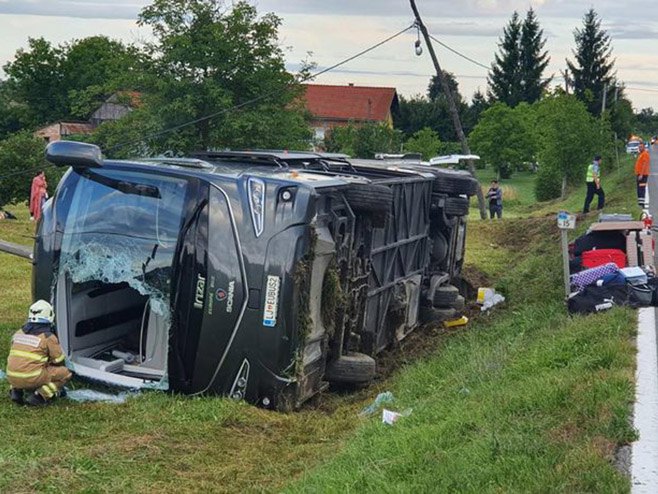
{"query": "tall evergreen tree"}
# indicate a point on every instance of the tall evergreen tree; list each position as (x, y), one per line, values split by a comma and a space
(516, 74)
(593, 68)
(533, 59)
(505, 75)
(435, 91)
(478, 105)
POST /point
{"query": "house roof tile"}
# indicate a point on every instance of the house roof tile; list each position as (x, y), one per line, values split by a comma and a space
(349, 102)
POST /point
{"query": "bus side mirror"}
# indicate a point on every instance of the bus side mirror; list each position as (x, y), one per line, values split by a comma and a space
(75, 154)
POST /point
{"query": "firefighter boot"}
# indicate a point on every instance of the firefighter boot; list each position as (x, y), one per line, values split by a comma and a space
(16, 395)
(35, 400)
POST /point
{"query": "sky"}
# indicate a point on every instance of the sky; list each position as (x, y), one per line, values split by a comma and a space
(327, 32)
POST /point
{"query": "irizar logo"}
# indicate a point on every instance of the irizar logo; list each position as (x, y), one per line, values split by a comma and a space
(229, 297)
(200, 291)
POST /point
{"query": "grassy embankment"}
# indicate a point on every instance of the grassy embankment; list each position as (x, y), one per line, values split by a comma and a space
(526, 399)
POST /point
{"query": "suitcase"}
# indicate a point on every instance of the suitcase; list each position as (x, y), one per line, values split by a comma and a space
(599, 257)
(589, 276)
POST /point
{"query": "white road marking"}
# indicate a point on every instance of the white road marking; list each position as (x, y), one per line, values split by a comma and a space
(644, 467)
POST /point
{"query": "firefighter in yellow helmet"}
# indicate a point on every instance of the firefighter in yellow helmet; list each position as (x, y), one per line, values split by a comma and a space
(36, 361)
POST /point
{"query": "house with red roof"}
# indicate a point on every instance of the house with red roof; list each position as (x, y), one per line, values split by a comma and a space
(114, 108)
(333, 106)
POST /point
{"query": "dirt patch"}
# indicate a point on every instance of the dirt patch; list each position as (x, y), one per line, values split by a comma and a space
(604, 447)
(521, 233)
(473, 278)
(566, 433)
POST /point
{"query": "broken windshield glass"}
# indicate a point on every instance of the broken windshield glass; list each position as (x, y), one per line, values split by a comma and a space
(112, 237)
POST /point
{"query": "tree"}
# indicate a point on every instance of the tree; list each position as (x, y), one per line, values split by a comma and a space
(533, 59)
(363, 141)
(567, 137)
(593, 68)
(96, 67)
(126, 137)
(425, 141)
(19, 153)
(432, 111)
(503, 137)
(505, 75)
(34, 81)
(647, 122)
(517, 72)
(209, 58)
(48, 83)
(622, 118)
(417, 112)
(435, 91)
(10, 112)
(478, 105)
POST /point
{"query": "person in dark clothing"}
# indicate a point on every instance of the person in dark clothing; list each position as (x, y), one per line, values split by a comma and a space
(593, 181)
(495, 197)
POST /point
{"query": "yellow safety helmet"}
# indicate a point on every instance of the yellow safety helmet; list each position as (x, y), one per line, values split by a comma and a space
(41, 312)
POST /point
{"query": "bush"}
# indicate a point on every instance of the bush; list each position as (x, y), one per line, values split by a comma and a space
(568, 139)
(363, 141)
(503, 137)
(21, 155)
(425, 141)
(549, 183)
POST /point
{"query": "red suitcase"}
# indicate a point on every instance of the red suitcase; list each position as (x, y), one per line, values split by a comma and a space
(598, 257)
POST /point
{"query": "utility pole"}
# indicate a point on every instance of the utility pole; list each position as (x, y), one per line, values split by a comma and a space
(452, 108)
(605, 97)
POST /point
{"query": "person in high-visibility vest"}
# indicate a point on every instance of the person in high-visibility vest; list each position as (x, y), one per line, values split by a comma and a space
(593, 181)
(36, 361)
(642, 165)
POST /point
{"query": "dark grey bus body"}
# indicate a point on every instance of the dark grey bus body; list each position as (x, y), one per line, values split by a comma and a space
(261, 276)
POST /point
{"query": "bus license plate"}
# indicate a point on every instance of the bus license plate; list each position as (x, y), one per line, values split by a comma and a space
(271, 301)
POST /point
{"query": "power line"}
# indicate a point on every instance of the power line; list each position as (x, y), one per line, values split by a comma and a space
(238, 106)
(26, 170)
(262, 96)
(465, 57)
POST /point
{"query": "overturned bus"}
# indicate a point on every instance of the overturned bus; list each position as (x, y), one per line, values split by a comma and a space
(258, 275)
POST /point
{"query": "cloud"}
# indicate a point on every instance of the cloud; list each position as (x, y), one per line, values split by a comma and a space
(633, 31)
(295, 67)
(87, 9)
(465, 28)
(427, 8)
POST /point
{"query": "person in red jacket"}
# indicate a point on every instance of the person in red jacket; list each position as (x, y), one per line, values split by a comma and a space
(38, 195)
(642, 170)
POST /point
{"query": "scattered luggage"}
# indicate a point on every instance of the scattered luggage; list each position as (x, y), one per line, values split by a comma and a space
(599, 257)
(612, 264)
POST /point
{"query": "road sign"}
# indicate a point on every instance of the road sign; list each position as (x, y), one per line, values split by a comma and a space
(566, 221)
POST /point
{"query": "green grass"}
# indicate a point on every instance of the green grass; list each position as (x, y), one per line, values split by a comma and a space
(519, 193)
(618, 185)
(526, 399)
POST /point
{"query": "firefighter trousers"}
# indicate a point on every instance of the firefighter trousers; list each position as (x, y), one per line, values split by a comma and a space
(51, 380)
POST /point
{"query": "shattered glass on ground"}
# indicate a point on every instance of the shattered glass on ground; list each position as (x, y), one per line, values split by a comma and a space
(91, 395)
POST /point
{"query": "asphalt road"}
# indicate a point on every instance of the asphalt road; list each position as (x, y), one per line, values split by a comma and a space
(644, 469)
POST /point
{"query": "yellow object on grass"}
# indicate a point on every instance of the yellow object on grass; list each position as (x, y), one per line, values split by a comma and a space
(462, 321)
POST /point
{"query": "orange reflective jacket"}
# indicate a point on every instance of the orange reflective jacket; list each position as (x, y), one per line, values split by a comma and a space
(642, 163)
(31, 354)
